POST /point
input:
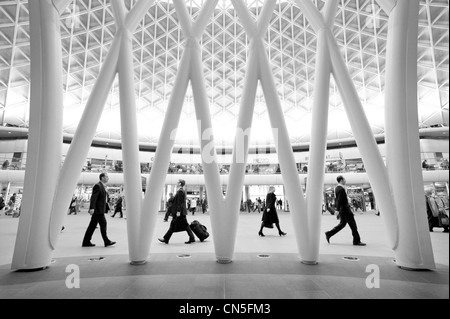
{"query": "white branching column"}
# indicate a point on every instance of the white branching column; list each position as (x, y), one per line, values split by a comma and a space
(319, 132)
(190, 69)
(414, 249)
(259, 65)
(128, 118)
(359, 123)
(380, 178)
(224, 211)
(216, 201)
(66, 181)
(48, 190)
(32, 249)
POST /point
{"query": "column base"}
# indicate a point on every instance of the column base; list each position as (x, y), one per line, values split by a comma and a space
(413, 269)
(138, 262)
(32, 269)
(309, 262)
(223, 260)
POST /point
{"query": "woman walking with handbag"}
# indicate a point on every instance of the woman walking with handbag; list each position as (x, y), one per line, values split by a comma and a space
(270, 215)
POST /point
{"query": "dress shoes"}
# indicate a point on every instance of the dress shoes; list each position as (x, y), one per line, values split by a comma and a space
(163, 241)
(88, 245)
(190, 241)
(327, 236)
(359, 244)
(110, 243)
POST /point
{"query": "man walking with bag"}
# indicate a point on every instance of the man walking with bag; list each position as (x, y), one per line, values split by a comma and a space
(345, 213)
(179, 212)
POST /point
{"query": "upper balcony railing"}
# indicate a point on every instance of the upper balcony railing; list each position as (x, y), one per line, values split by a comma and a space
(252, 169)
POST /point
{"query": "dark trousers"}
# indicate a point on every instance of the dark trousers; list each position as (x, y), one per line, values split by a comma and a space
(166, 216)
(170, 232)
(346, 218)
(118, 210)
(434, 222)
(96, 219)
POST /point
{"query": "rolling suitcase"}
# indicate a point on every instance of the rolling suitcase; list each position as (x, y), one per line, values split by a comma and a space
(199, 230)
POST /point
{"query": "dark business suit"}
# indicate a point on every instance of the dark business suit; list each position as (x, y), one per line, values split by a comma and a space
(346, 215)
(99, 205)
(179, 205)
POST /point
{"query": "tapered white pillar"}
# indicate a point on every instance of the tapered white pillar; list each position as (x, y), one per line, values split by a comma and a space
(402, 138)
(224, 225)
(32, 248)
(156, 180)
(319, 132)
(426, 251)
(318, 144)
(224, 211)
(129, 133)
(288, 166)
(209, 155)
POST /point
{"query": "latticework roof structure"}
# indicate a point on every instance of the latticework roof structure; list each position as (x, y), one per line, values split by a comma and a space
(88, 28)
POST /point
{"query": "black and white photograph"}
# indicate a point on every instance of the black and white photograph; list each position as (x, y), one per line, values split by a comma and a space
(227, 158)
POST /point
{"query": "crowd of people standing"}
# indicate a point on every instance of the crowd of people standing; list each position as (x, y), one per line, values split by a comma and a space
(258, 205)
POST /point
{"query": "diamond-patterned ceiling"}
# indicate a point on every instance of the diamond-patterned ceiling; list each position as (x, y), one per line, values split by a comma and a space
(87, 31)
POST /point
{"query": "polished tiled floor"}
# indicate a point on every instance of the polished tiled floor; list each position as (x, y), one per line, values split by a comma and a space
(281, 275)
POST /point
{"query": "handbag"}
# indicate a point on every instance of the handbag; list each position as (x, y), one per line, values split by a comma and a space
(179, 224)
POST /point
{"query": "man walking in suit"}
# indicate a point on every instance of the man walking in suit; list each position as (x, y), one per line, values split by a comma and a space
(345, 213)
(97, 210)
(179, 212)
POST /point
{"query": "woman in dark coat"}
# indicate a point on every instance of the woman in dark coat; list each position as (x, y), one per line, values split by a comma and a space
(270, 215)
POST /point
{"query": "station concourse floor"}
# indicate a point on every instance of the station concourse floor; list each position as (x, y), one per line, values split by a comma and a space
(262, 267)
